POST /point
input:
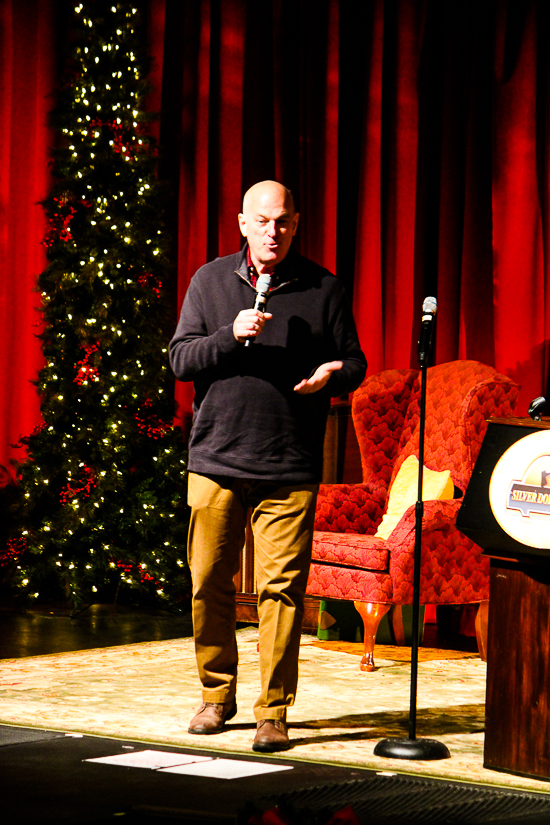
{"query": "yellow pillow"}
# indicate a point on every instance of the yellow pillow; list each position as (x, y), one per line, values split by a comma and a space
(404, 492)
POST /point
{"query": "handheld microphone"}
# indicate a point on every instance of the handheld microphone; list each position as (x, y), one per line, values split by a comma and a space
(262, 288)
(429, 308)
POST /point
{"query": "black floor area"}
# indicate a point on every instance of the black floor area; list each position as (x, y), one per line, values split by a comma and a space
(51, 629)
(44, 777)
(48, 782)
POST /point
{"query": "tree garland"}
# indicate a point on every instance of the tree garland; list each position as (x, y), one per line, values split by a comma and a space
(102, 495)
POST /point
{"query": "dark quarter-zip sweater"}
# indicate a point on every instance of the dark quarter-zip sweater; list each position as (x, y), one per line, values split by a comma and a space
(247, 420)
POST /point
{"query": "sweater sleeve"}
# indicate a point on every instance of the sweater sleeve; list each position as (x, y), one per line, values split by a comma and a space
(193, 350)
(347, 347)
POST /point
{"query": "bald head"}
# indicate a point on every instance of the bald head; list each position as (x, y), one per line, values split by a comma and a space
(266, 189)
(268, 222)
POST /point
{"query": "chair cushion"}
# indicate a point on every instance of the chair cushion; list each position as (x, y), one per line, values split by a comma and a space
(350, 550)
(334, 582)
(404, 492)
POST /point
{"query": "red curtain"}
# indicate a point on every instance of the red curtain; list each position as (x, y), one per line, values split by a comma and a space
(520, 194)
(27, 70)
(413, 133)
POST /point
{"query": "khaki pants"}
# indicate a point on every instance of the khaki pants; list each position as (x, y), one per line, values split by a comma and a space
(282, 523)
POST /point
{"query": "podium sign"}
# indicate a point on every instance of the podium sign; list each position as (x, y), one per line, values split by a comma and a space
(506, 510)
(519, 491)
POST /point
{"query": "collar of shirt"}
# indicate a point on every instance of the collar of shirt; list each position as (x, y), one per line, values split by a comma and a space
(253, 275)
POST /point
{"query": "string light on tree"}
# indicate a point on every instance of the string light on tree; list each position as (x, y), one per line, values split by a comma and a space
(102, 494)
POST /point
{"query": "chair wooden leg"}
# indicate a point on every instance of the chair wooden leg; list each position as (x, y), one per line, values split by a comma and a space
(371, 614)
(482, 623)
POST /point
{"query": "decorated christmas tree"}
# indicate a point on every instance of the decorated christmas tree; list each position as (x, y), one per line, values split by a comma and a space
(102, 498)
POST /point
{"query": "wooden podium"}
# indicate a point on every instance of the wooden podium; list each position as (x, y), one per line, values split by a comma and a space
(506, 510)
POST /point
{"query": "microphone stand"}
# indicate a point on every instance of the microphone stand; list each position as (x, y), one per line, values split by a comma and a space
(411, 747)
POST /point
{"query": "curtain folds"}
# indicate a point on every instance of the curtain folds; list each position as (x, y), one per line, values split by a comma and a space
(28, 36)
(413, 133)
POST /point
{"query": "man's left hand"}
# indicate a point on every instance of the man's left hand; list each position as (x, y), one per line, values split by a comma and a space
(319, 378)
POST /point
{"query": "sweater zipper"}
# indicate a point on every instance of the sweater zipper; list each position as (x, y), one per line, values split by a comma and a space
(274, 289)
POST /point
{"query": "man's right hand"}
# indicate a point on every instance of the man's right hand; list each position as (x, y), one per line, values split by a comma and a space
(249, 323)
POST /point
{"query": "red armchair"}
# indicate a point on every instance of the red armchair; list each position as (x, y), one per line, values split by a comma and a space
(349, 561)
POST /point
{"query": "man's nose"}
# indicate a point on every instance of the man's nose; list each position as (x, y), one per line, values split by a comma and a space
(272, 229)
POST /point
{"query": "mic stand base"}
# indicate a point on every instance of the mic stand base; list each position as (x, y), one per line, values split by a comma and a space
(427, 749)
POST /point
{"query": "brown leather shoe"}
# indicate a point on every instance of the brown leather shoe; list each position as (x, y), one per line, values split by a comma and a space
(212, 716)
(271, 735)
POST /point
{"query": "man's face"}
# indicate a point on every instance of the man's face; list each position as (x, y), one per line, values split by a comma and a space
(268, 221)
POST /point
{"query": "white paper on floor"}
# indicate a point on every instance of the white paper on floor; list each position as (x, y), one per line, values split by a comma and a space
(153, 760)
(226, 769)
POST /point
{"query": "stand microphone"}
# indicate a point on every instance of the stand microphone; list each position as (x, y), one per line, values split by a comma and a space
(429, 308)
(536, 406)
(413, 747)
(262, 289)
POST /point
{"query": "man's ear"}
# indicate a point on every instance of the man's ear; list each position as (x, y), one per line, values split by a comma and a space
(242, 224)
(296, 219)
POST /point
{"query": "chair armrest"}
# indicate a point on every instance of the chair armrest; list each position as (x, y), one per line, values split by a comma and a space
(437, 514)
(349, 508)
(454, 571)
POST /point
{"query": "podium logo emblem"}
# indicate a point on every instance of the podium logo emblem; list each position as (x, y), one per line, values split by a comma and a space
(519, 490)
(532, 493)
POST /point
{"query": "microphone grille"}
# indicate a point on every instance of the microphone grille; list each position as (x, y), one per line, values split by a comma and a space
(429, 305)
(263, 283)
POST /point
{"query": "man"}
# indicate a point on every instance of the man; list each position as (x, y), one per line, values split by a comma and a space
(257, 440)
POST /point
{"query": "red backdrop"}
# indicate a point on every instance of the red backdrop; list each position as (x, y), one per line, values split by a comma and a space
(414, 135)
